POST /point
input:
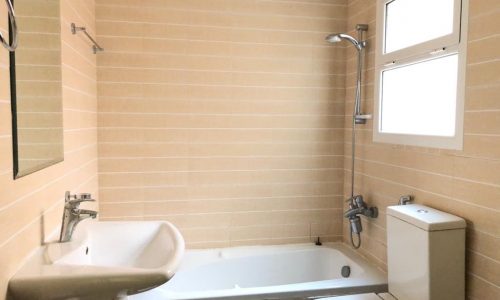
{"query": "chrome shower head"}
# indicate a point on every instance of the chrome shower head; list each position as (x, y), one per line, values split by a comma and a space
(338, 37)
(333, 38)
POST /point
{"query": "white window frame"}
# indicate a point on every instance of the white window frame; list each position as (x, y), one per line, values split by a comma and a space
(456, 42)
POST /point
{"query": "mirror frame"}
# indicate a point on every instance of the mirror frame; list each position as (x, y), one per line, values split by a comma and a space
(13, 108)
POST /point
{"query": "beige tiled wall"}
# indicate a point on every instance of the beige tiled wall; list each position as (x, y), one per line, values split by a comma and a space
(227, 118)
(465, 183)
(224, 117)
(31, 207)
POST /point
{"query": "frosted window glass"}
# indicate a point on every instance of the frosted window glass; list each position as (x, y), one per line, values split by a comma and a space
(410, 22)
(420, 98)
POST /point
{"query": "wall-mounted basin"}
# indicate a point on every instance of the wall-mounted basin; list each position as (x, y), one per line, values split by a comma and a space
(104, 260)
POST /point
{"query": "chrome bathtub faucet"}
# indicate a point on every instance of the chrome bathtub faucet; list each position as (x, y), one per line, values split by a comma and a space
(73, 214)
(357, 206)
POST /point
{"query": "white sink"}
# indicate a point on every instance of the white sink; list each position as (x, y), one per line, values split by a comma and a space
(104, 260)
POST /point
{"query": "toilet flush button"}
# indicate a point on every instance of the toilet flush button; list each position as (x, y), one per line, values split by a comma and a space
(422, 211)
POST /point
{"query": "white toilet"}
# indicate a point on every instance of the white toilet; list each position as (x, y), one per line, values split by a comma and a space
(425, 253)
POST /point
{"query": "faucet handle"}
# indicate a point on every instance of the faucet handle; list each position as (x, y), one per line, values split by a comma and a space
(351, 202)
(358, 199)
(75, 200)
(84, 196)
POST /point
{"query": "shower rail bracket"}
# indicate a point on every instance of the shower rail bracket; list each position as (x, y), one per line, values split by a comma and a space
(95, 48)
(361, 119)
(361, 27)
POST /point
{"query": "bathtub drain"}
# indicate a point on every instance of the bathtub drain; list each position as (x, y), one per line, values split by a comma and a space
(345, 271)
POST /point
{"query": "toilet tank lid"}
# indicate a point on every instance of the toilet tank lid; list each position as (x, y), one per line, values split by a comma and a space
(425, 217)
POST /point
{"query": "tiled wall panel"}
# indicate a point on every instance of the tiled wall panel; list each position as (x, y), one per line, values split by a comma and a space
(465, 183)
(224, 117)
(31, 207)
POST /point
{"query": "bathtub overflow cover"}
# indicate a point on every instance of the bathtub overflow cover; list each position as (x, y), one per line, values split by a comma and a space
(346, 271)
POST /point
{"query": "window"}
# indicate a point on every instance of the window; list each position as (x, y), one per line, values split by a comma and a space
(420, 72)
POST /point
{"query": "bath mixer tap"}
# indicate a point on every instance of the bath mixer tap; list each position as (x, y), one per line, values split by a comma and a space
(357, 206)
(73, 214)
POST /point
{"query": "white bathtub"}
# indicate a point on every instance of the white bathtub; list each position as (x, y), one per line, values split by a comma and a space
(269, 272)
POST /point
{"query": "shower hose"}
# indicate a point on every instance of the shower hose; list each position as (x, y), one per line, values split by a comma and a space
(356, 246)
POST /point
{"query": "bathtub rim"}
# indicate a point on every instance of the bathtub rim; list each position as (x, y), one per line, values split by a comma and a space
(372, 280)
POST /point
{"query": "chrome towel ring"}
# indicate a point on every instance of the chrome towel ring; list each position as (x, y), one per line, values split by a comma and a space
(13, 29)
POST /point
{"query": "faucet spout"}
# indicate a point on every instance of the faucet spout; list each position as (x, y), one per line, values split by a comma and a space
(73, 215)
(371, 212)
(86, 213)
(357, 206)
(353, 212)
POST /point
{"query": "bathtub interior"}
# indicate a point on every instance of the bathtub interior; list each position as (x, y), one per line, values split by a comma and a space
(243, 269)
(269, 270)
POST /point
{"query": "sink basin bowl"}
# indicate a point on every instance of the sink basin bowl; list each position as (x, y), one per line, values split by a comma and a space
(104, 260)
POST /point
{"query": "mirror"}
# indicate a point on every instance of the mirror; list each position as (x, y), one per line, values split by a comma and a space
(36, 87)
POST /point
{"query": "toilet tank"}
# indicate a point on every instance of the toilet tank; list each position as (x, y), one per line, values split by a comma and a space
(425, 253)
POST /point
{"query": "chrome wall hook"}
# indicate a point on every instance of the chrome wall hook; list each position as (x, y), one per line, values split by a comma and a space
(13, 29)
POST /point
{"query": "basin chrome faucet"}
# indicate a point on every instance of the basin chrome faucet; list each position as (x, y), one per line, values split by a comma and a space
(73, 214)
